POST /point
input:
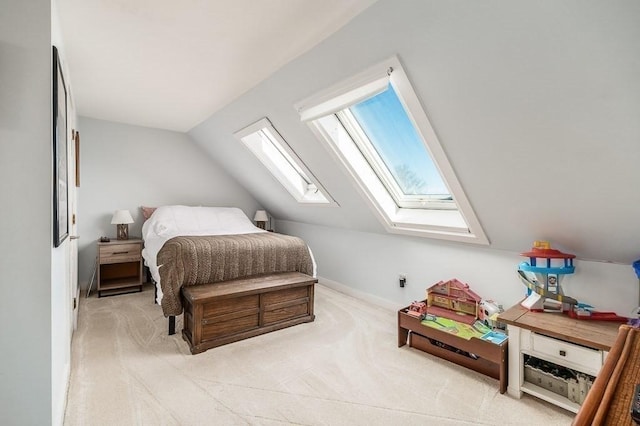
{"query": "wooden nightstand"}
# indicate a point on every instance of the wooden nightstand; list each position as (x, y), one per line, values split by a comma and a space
(554, 338)
(119, 267)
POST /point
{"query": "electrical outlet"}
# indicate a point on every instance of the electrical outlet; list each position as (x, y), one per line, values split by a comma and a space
(403, 279)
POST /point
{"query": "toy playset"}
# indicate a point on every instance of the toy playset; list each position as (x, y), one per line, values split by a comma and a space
(454, 299)
(452, 306)
(465, 331)
(543, 275)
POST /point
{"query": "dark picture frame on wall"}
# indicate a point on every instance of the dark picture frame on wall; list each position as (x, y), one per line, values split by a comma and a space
(76, 139)
(60, 156)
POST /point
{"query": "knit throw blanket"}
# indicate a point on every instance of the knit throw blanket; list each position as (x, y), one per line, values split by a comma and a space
(193, 260)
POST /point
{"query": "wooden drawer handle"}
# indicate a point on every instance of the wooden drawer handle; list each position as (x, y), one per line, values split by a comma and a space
(120, 252)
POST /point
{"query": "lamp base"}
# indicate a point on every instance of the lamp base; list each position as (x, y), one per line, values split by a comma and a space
(123, 231)
(261, 224)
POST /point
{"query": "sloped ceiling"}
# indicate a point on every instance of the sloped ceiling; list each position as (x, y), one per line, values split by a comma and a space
(535, 103)
(171, 64)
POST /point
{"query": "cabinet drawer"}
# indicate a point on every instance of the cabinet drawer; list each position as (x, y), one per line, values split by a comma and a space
(286, 313)
(215, 330)
(280, 296)
(117, 253)
(564, 353)
(224, 307)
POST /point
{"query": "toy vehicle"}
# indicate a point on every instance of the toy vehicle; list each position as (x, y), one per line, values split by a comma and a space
(488, 313)
(418, 310)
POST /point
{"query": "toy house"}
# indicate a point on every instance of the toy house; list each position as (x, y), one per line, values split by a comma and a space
(453, 299)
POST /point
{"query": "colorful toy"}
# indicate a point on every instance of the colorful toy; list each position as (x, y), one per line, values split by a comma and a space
(543, 275)
(434, 319)
(454, 299)
(418, 310)
(465, 331)
(488, 314)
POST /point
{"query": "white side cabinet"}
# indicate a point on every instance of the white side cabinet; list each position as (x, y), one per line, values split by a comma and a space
(560, 341)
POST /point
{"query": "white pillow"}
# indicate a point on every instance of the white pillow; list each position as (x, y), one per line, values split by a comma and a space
(170, 221)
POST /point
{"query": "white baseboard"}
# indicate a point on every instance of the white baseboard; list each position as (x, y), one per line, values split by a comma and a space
(367, 297)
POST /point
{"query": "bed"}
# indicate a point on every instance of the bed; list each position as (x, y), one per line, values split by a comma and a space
(186, 246)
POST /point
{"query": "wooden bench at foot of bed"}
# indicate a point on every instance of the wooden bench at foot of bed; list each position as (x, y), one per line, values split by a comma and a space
(220, 313)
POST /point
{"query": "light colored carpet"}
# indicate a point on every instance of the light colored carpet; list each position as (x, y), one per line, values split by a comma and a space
(342, 369)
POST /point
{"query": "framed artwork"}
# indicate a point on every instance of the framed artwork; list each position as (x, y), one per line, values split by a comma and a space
(60, 159)
(76, 139)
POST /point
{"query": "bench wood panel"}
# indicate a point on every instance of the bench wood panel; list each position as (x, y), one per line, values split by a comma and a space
(220, 313)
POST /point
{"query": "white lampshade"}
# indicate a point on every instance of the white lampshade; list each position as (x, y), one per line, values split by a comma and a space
(261, 216)
(121, 217)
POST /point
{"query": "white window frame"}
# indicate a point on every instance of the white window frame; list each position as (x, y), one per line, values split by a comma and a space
(359, 137)
(266, 143)
(321, 113)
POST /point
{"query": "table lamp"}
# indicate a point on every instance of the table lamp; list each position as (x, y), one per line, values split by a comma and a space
(261, 219)
(122, 218)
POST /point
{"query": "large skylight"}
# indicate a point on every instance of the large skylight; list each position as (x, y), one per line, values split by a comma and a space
(387, 138)
(379, 131)
(271, 149)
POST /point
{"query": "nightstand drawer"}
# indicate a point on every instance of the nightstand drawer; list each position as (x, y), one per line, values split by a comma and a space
(118, 253)
(590, 360)
(119, 266)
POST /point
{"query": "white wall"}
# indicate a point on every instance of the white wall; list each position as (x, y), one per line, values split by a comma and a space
(369, 264)
(534, 103)
(125, 167)
(62, 285)
(26, 255)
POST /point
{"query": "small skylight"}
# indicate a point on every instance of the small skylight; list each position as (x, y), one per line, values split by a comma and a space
(264, 141)
(375, 124)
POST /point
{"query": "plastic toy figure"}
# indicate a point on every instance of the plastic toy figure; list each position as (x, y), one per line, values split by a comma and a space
(418, 310)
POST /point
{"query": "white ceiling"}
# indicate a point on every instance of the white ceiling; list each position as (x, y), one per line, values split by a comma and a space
(171, 64)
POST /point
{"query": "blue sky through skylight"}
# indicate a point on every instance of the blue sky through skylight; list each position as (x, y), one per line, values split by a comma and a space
(394, 137)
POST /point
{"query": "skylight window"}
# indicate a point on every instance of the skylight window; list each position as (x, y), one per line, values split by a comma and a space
(392, 146)
(264, 141)
(375, 124)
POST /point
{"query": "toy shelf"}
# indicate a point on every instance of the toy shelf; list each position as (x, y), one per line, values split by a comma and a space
(476, 354)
